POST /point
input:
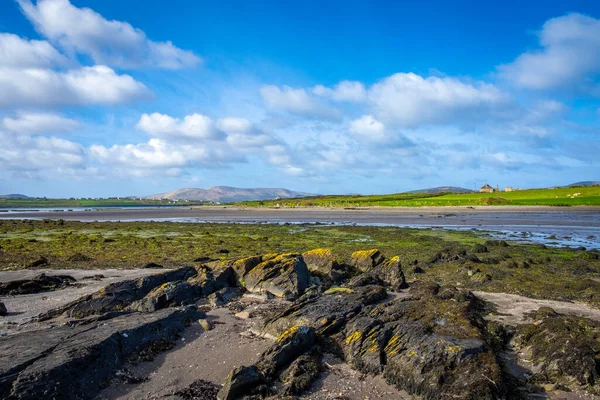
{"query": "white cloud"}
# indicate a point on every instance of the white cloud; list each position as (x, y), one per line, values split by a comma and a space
(116, 43)
(88, 85)
(569, 57)
(343, 91)
(34, 153)
(234, 125)
(367, 126)
(295, 101)
(195, 126)
(32, 123)
(407, 99)
(19, 52)
(196, 141)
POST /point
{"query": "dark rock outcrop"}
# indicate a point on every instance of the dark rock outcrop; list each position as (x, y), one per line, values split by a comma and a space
(240, 381)
(75, 363)
(284, 275)
(432, 343)
(39, 283)
(387, 272)
(117, 296)
(282, 361)
(3, 310)
(168, 294)
(364, 260)
(320, 262)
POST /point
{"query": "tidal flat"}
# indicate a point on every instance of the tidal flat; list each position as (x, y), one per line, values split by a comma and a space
(448, 257)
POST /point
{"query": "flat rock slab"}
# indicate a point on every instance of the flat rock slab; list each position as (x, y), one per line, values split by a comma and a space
(74, 363)
(22, 308)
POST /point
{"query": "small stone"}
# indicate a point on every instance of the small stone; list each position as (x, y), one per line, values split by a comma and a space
(207, 326)
(3, 310)
(244, 315)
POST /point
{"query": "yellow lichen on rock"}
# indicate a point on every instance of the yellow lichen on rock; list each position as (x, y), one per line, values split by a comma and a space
(354, 337)
(289, 332)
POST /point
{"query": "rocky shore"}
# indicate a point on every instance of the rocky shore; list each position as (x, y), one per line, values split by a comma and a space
(284, 326)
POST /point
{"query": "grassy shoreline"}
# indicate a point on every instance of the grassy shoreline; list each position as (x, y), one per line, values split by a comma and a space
(447, 257)
(560, 197)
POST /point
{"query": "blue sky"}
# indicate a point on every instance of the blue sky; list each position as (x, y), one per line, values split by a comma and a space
(138, 97)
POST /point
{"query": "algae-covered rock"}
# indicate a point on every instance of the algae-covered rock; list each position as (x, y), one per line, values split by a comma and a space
(285, 276)
(224, 296)
(565, 348)
(301, 373)
(292, 343)
(432, 343)
(117, 296)
(388, 272)
(363, 260)
(168, 294)
(319, 261)
(210, 279)
(239, 382)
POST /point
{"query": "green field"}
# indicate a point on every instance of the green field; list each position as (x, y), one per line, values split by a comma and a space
(586, 196)
(65, 203)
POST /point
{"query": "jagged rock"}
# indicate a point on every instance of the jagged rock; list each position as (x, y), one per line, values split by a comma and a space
(239, 381)
(168, 294)
(117, 296)
(284, 275)
(39, 283)
(292, 343)
(564, 348)
(319, 261)
(210, 280)
(3, 310)
(76, 362)
(284, 353)
(301, 373)
(385, 273)
(433, 343)
(327, 313)
(363, 260)
(224, 296)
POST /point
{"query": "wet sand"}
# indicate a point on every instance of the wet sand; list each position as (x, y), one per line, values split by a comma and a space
(426, 216)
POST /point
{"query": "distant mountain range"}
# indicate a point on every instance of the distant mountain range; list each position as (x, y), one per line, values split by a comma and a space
(13, 196)
(225, 194)
(585, 183)
(442, 189)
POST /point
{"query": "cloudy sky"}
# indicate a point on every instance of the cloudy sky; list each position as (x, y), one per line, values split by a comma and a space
(113, 97)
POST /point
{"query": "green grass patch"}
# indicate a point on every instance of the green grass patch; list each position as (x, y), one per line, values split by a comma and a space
(561, 197)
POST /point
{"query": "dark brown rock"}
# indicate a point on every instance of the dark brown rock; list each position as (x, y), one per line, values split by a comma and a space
(75, 363)
(117, 296)
(39, 283)
(284, 275)
(240, 381)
